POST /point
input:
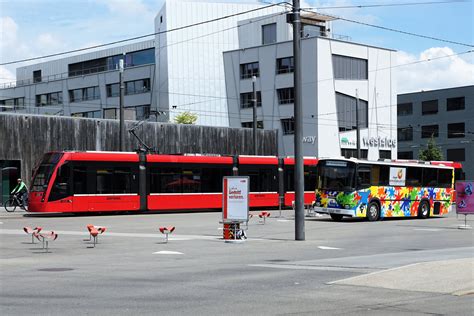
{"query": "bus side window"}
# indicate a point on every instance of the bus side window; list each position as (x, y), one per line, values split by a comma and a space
(445, 178)
(430, 177)
(380, 175)
(363, 177)
(413, 177)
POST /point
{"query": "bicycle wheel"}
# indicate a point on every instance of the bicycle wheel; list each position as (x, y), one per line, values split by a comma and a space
(10, 205)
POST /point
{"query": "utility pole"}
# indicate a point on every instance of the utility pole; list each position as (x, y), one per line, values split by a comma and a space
(121, 113)
(298, 114)
(357, 125)
(254, 105)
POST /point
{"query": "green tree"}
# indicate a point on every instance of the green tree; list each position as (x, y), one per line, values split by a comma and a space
(186, 118)
(432, 151)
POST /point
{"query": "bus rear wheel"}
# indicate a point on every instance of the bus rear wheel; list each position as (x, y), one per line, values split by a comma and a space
(373, 212)
(336, 217)
(424, 210)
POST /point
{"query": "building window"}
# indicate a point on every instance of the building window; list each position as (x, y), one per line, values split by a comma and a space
(429, 107)
(346, 112)
(246, 99)
(250, 124)
(113, 90)
(288, 126)
(405, 134)
(84, 94)
(37, 76)
(285, 65)
(456, 130)
(457, 154)
(349, 68)
(404, 109)
(111, 113)
(137, 86)
(49, 99)
(385, 154)
(12, 104)
(455, 104)
(348, 153)
(139, 113)
(269, 33)
(405, 155)
(429, 130)
(89, 114)
(142, 57)
(286, 95)
(249, 70)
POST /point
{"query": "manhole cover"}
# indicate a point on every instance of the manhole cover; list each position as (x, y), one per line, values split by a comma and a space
(55, 269)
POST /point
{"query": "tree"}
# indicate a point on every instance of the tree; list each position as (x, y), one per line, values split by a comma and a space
(186, 118)
(432, 152)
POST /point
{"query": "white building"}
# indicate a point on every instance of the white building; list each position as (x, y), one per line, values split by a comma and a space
(335, 75)
(179, 70)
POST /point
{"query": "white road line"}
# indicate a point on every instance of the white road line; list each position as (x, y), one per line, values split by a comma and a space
(164, 252)
(284, 220)
(307, 267)
(428, 229)
(328, 248)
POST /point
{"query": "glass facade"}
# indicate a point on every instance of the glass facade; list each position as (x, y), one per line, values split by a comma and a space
(249, 70)
(269, 33)
(246, 99)
(349, 68)
(53, 98)
(286, 95)
(346, 112)
(84, 94)
(285, 65)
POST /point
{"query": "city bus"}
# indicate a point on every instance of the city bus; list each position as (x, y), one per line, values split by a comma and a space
(386, 188)
(78, 181)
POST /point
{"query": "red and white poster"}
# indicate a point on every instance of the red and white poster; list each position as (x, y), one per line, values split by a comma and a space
(464, 197)
(235, 199)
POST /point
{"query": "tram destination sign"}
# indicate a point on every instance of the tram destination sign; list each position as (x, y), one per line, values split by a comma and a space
(235, 204)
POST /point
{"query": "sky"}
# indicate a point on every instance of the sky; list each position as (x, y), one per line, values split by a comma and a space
(30, 28)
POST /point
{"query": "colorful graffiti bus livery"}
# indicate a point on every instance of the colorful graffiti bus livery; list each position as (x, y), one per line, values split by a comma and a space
(118, 181)
(377, 189)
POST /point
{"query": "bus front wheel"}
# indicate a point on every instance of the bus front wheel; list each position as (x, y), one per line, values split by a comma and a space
(373, 212)
(336, 217)
(424, 210)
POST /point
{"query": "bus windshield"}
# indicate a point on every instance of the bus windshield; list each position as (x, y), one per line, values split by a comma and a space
(336, 175)
(44, 171)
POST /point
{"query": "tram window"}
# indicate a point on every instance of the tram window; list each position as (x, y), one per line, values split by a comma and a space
(212, 179)
(165, 180)
(445, 178)
(79, 176)
(104, 180)
(60, 188)
(430, 177)
(413, 177)
(191, 181)
(261, 179)
(289, 177)
(309, 178)
(123, 181)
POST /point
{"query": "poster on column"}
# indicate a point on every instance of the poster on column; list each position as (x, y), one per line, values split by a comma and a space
(464, 197)
(235, 204)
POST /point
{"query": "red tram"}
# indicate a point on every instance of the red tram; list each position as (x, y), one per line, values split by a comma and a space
(117, 181)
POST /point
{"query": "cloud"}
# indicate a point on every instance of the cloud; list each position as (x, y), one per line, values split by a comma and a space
(6, 76)
(8, 31)
(438, 73)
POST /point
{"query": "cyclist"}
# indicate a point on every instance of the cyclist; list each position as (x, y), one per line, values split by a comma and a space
(20, 191)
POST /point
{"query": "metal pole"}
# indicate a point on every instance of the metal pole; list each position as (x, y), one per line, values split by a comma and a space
(121, 114)
(254, 105)
(298, 109)
(357, 125)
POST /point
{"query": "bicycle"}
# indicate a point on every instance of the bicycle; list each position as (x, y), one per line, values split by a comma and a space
(12, 203)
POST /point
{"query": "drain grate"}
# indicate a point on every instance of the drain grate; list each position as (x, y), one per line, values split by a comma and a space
(55, 269)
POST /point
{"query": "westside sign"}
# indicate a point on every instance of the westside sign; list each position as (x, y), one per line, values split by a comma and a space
(235, 204)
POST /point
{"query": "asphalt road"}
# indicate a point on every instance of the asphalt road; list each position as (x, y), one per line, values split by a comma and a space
(391, 267)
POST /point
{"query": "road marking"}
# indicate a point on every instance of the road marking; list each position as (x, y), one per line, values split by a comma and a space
(309, 267)
(284, 220)
(428, 229)
(164, 252)
(328, 248)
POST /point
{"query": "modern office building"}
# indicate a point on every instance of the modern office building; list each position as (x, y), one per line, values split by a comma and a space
(445, 114)
(181, 69)
(338, 77)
